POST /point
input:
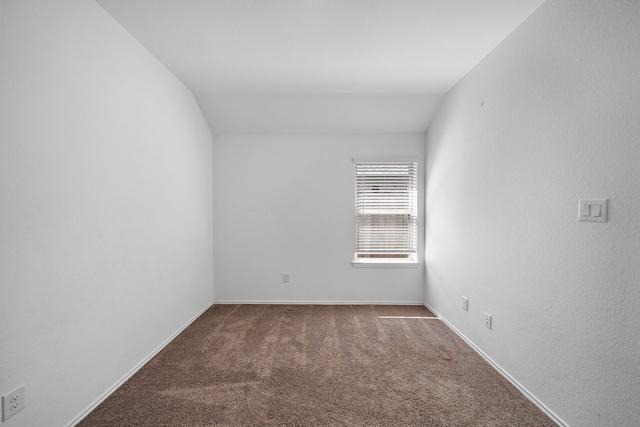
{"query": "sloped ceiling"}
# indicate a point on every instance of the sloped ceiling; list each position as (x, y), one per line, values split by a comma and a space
(319, 66)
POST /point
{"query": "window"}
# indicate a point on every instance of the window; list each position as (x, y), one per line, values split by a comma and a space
(386, 210)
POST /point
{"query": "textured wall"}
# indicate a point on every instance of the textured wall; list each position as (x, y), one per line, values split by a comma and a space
(105, 206)
(549, 117)
(291, 210)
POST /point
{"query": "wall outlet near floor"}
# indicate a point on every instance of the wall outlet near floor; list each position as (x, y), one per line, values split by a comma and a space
(465, 303)
(487, 320)
(285, 277)
(12, 403)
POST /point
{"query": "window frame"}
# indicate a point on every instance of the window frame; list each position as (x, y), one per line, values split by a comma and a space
(413, 259)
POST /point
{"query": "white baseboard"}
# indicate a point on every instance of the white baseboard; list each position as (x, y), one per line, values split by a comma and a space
(502, 372)
(275, 302)
(135, 369)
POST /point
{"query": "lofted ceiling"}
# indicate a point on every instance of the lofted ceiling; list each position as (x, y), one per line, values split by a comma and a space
(319, 66)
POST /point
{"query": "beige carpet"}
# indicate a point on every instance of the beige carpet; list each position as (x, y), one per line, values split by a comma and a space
(302, 365)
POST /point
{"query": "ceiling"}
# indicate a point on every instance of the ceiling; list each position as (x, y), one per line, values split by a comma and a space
(319, 66)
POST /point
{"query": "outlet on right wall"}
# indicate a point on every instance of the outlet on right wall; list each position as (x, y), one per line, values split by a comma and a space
(550, 117)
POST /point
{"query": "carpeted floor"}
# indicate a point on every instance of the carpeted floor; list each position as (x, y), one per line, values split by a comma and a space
(305, 365)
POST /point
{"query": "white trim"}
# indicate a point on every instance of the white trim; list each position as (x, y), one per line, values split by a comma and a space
(93, 405)
(277, 302)
(383, 159)
(502, 372)
(359, 263)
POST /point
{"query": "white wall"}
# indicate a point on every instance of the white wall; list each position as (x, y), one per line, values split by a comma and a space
(105, 206)
(549, 117)
(313, 114)
(285, 204)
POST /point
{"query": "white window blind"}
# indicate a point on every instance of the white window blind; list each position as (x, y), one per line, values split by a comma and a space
(386, 209)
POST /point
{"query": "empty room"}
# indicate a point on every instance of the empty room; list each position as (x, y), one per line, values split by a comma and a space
(320, 212)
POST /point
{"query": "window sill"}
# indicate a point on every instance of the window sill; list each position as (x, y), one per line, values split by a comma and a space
(359, 263)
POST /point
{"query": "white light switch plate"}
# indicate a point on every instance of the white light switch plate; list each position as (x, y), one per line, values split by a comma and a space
(593, 210)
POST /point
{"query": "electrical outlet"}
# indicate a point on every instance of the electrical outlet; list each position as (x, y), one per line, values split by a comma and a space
(487, 320)
(465, 303)
(285, 277)
(12, 403)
